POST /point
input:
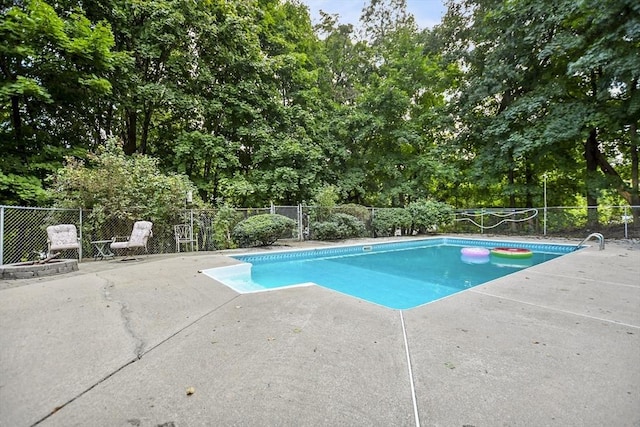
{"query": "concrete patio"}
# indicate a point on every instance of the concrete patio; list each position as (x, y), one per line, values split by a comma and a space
(156, 343)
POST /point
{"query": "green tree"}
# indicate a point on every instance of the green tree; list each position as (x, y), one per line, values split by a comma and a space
(537, 98)
(344, 63)
(239, 124)
(52, 68)
(152, 34)
(400, 90)
(289, 165)
(607, 62)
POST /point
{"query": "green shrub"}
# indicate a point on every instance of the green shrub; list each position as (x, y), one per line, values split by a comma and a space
(261, 230)
(386, 221)
(121, 186)
(324, 201)
(359, 211)
(428, 215)
(325, 230)
(223, 224)
(352, 226)
(338, 226)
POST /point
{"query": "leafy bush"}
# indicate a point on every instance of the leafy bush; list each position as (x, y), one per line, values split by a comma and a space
(338, 226)
(386, 221)
(120, 189)
(359, 211)
(427, 215)
(351, 225)
(261, 230)
(324, 200)
(325, 230)
(121, 186)
(223, 224)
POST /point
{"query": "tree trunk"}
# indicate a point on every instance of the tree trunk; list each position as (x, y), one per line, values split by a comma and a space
(591, 156)
(215, 192)
(595, 158)
(511, 175)
(529, 180)
(108, 121)
(132, 124)
(17, 127)
(145, 130)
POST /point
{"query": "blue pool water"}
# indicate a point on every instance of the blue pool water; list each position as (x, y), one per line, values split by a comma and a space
(398, 275)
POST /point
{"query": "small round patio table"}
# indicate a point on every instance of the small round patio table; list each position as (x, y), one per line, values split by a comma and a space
(101, 249)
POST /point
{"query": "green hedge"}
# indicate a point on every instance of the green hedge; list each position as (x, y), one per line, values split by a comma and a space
(359, 211)
(419, 217)
(386, 221)
(261, 230)
(338, 226)
(428, 215)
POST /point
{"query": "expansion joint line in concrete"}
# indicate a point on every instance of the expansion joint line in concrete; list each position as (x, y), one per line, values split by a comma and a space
(600, 319)
(189, 325)
(411, 383)
(130, 362)
(59, 407)
(586, 279)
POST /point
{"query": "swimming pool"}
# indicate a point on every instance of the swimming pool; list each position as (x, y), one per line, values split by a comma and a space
(397, 275)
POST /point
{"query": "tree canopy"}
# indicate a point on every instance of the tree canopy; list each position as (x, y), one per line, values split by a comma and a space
(255, 105)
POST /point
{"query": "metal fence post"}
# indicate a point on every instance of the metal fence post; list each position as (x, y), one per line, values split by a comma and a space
(544, 221)
(373, 217)
(80, 249)
(191, 229)
(300, 228)
(1, 235)
(625, 218)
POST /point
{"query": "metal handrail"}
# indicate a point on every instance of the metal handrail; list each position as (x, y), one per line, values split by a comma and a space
(598, 236)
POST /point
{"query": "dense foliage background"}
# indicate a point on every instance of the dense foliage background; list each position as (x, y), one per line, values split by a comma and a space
(254, 105)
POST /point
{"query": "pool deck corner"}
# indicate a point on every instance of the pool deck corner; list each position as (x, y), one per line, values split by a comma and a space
(156, 342)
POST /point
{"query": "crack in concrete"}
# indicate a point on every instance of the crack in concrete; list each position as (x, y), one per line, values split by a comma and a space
(125, 314)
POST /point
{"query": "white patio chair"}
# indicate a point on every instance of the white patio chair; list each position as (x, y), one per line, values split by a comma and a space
(62, 237)
(184, 235)
(138, 239)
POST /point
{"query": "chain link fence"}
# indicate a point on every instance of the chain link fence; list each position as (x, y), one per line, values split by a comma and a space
(566, 221)
(23, 235)
(23, 231)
